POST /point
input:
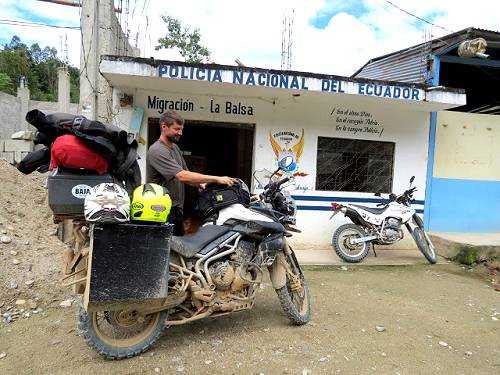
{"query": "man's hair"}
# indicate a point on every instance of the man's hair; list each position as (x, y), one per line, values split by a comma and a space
(169, 117)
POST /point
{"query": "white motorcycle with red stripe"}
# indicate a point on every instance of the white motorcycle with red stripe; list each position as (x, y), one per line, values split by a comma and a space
(380, 226)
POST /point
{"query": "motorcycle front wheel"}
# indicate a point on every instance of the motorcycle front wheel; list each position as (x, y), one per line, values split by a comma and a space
(425, 245)
(294, 297)
(120, 334)
(346, 251)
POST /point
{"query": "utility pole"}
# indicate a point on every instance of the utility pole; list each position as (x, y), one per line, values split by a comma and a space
(100, 34)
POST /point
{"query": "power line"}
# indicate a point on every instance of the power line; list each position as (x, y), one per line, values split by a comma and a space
(35, 24)
(420, 18)
(431, 37)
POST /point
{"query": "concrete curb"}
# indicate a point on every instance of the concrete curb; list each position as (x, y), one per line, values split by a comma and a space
(385, 257)
(464, 252)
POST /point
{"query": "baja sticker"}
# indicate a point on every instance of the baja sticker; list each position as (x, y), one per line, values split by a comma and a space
(80, 191)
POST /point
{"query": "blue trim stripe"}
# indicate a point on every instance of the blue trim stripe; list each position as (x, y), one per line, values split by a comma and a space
(326, 208)
(432, 147)
(343, 199)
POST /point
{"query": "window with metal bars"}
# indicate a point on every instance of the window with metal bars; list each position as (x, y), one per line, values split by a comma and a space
(354, 165)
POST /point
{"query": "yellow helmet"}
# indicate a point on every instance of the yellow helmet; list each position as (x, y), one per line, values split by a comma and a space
(150, 202)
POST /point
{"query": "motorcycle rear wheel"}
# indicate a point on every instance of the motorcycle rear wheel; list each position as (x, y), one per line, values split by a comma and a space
(120, 334)
(295, 297)
(345, 251)
(425, 245)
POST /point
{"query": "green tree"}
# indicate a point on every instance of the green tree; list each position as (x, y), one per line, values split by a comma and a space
(74, 83)
(188, 43)
(6, 84)
(39, 66)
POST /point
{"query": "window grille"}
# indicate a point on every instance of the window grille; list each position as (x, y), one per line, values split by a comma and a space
(354, 165)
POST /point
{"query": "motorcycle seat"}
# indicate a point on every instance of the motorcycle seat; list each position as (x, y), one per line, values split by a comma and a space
(373, 210)
(190, 245)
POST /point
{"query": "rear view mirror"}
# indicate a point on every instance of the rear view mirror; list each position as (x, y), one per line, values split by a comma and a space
(412, 179)
(285, 162)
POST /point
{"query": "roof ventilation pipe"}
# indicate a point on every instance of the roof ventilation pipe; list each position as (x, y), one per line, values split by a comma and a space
(473, 48)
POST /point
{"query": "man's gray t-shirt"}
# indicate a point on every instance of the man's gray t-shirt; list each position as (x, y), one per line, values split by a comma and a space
(162, 164)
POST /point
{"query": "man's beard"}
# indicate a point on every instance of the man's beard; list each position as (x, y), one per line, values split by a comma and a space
(174, 138)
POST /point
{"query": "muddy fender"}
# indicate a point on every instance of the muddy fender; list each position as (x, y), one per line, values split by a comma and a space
(277, 271)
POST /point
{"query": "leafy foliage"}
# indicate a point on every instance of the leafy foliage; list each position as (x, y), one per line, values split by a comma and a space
(6, 84)
(38, 66)
(188, 43)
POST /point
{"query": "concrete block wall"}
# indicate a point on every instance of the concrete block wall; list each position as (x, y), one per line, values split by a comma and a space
(14, 150)
(10, 106)
(18, 145)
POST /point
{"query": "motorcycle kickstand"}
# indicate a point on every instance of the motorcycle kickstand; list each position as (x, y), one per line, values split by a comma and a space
(374, 252)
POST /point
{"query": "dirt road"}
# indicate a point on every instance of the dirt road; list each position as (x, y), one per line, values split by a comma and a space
(437, 319)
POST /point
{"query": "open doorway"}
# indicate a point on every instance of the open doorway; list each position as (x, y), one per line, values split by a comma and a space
(214, 148)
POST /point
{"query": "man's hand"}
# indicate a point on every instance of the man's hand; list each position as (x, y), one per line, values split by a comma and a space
(225, 180)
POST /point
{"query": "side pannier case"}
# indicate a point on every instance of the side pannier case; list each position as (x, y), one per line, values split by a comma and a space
(67, 189)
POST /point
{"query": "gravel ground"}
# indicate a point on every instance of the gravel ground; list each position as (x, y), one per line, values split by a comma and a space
(366, 320)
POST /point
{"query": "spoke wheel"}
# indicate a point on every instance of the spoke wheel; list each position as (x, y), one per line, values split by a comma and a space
(351, 253)
(122, 333)
(425, 245)
(294, 297)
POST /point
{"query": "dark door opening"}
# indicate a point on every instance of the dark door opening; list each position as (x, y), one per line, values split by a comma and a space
(214, 148)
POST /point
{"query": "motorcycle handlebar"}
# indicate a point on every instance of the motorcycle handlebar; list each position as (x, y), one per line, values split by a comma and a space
(285, 180)
(277, 184)
(399, 198)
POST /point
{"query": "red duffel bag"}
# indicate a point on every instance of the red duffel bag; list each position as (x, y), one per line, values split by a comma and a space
(71, 152)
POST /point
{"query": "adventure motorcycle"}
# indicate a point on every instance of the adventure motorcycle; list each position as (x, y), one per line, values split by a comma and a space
(212, 272)
(381, 226)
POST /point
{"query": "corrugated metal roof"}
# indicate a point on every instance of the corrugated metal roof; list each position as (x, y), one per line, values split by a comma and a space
(405, 67)
(408, 65)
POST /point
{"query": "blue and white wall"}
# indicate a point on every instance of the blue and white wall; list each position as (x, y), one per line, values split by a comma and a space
(464, 191)
(406, 128)
(283, 119)
(281, 106)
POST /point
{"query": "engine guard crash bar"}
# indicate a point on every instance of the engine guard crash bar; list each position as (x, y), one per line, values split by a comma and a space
(361, 240)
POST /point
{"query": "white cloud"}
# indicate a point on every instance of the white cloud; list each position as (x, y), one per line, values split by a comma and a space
(251, 31)
(44, 36)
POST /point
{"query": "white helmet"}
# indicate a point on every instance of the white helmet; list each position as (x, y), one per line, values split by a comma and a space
(107, 203)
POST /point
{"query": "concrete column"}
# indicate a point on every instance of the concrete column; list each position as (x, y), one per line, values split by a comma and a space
(63, 87)
(23, 93)
(109, 44)
(101, 35)
(89, 58)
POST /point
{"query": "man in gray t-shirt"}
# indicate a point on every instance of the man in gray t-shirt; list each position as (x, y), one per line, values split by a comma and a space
(166, 166)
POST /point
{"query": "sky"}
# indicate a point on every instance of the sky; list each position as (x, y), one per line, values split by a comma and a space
(330, 37)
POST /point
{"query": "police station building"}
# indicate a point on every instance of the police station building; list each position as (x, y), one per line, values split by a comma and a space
(349, 137)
